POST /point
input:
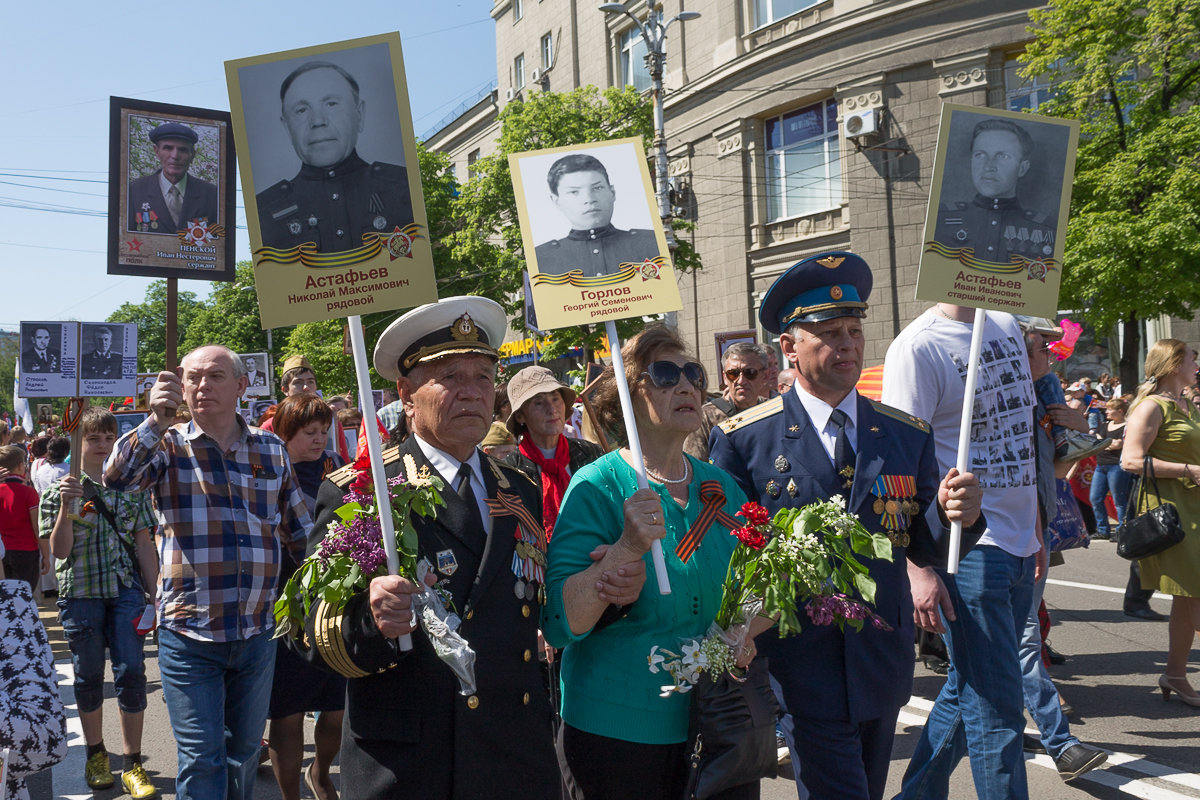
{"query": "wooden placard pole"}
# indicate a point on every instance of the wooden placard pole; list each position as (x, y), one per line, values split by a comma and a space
(71, 414)
(366, 402)
(635, 446)
(964, 430)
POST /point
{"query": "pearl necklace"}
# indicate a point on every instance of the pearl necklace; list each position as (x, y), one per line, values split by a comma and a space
(687, 474)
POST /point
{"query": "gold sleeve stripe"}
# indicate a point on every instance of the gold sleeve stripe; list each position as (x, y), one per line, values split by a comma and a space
(327, 628)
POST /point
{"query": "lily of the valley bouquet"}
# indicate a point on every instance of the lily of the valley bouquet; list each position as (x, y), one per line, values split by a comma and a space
(352, 554)
(803, 556)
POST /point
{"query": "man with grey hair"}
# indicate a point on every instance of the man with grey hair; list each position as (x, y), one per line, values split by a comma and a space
(226, 500)
(747, 383)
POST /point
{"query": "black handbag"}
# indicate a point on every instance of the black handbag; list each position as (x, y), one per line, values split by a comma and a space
(1152, 531)
(732, 730)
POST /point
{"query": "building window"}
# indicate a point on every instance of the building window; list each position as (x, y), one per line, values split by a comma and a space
(804, 173)
(768, 11)
(547, 50)
(1021, 94)
(633, 60)
(518, 10)
(519, 72)
(472, 157)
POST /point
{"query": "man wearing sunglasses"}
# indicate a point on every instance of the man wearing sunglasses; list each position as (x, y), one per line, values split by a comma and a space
(841, 691)
(747, 383)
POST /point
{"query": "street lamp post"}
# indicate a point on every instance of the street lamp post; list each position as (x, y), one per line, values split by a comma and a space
(654, 34)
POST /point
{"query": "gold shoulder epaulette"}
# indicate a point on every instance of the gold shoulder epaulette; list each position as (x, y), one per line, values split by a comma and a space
(754, 414)
(344, 475)
(503, 470)
(902, 416)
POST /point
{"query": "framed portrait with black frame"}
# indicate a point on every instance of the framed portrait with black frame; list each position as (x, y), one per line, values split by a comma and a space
(170, 191)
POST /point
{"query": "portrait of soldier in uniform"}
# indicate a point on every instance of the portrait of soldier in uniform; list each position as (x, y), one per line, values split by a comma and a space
(994, 223)
(100, 362)
(170, 197)
(581, 190)
(337, 196)
(39, 356)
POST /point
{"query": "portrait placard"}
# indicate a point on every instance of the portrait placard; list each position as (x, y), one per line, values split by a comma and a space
(170, 191)
(329, 172)
(996, 226)
(108, 359)
(144, 382)
(128, 420)
(723, 341)
(592, 235)
(258, 374)
(49, 359)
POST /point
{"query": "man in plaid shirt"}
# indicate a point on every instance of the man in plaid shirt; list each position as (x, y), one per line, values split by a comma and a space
(226, 499)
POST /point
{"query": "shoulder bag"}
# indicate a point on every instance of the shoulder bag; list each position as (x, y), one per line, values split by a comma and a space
(1152, 531)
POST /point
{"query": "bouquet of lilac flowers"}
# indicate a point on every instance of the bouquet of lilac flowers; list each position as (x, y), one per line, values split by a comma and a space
(803, 555)
(352, 554)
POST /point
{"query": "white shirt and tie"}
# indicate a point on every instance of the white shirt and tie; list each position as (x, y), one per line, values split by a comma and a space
(173, 196)
(820, 415)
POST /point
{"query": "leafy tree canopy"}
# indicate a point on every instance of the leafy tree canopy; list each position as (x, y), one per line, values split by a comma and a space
(1129, 72)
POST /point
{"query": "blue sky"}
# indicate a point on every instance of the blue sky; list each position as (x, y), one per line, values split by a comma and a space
(62, 62)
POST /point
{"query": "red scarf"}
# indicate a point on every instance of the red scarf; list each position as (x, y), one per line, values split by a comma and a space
(554, 477)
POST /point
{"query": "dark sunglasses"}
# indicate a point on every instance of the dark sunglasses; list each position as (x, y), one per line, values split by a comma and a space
(665, 374)
(732, 374)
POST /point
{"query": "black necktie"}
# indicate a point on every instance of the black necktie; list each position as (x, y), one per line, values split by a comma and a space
(843, 451)
(476, 531)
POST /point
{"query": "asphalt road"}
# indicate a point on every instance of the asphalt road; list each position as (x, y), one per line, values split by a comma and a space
(1110, 679)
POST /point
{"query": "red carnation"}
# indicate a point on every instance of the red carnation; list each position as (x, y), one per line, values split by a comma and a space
(755, 514)
(751, 537)
(363, 483)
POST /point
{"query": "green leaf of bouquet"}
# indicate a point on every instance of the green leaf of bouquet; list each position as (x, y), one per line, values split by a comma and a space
(866, 587)
(346, 513)
(882, 546)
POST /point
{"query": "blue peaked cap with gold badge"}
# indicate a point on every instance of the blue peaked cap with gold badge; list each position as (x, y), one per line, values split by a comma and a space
(821, 287)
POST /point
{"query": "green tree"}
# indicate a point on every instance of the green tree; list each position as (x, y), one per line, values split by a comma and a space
(1129, 72)
(230, 317)
(150, 316)
(487, 233)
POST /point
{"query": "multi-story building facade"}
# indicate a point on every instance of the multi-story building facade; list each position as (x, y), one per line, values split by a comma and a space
(760, 94)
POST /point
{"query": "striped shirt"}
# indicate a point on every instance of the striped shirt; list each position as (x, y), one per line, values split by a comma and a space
(99, 562)
(222, 516)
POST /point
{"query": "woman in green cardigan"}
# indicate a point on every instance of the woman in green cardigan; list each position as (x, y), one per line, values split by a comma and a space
(621, 738)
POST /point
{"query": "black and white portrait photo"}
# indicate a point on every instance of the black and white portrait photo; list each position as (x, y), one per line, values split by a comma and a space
(588, 210)
(41, 350)
(49, 359)
(128, 420)
(1002, 185)
(101, 353)
(326, 148)
(258, 378)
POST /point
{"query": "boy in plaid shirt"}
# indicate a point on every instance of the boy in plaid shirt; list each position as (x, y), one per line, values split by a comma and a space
(104, 574)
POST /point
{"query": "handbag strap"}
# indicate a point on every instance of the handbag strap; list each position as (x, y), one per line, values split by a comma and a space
(1148, 470)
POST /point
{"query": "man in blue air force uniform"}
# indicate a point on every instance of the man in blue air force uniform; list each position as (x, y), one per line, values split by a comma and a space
(842, 691)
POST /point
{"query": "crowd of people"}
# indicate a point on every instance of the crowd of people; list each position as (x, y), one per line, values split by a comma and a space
(194, 520)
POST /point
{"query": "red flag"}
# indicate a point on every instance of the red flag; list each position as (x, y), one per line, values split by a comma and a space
(363, 460)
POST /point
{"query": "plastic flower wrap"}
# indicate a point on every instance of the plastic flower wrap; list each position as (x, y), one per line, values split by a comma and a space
(804, 556)
(352, 554)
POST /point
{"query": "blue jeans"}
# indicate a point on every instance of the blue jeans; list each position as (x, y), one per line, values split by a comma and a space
(1041, 698)
(217, 695)
(979, 711)
(1109, 478)
(91, 624)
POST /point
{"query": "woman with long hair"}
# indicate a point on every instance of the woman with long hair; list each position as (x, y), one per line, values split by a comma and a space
(1166, 426)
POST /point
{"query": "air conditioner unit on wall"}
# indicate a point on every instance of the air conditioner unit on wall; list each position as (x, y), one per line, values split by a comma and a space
(857, 124)
(536, 76)
(510, 94)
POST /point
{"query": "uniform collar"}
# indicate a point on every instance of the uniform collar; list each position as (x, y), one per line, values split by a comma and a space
(352, 163)
(447, 465)
(592, 233)
(819, 411)
(997, 203)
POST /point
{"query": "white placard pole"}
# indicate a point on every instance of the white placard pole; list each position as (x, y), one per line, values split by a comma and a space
(635, 446)
(366, 403)
(964, 429)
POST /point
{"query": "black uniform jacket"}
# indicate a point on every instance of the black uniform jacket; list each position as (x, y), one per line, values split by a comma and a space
(408, 733)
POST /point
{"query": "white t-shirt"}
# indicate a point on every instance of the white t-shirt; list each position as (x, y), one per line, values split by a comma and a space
(924, 374)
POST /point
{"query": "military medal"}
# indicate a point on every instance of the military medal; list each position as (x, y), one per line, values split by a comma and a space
(791, 487)
(773, 488)
(961, 234)
(519, 589)
(896, 505)
(379, 222)
(312, 221)
(447, 564)
(781, 464)
(294, 227)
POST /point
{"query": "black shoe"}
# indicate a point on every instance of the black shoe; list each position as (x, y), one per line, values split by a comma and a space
(1101, 537)
(1078, 759)
(1056, 658)
(1032, 744)
(1147, 613)
(936, 664)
